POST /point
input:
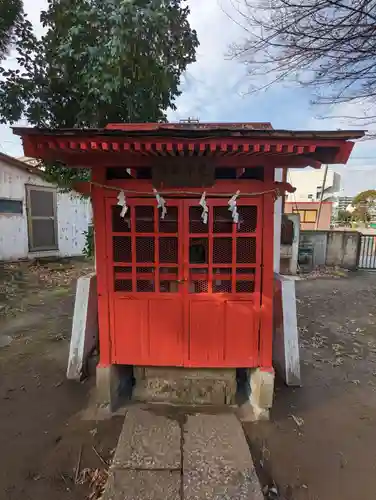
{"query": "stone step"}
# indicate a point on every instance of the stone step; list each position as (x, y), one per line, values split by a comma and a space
(184, 386)
(171, 456)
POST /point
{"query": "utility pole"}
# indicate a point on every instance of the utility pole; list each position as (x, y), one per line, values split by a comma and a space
(321, 196)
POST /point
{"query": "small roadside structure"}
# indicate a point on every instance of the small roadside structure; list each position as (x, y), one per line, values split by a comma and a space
(184, 218)
(36, 219)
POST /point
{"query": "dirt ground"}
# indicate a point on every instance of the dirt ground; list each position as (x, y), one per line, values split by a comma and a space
(320, 444)
(42, 434)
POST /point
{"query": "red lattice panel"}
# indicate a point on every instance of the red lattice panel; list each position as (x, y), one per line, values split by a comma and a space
(196, 224)
(122, 249)
(222, 286)
(199, 251)
(246, 250)
(245, 286)
(168, 270)
(247, 219)
(223, 222)
(170, 223)
(145, 286)
(144, 270)
(144, 249)
(221, 271)
(168, 250)
(144, 219)
(120, 224)
(198, 286)
(169, 286)
(222, 251)
(121, 269)
(123, 285)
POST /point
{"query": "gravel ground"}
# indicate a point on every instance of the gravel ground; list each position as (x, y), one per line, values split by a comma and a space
(320, 444)
(42, 432)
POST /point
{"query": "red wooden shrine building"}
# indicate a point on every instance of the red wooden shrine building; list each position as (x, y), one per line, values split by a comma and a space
(184, 224)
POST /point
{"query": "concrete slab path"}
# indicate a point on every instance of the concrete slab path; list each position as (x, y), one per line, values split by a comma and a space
(181, 456)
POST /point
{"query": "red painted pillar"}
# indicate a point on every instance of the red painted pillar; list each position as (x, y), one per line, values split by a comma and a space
(100, 225)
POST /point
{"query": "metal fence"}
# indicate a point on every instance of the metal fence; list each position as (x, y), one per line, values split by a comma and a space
(367, 252)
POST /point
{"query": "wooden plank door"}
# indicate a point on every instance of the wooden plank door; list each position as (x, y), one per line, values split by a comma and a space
(222, 276)
(146, 272)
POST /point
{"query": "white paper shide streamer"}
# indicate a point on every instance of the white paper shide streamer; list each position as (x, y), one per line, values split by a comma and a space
(205, 209)
(122, 202)
(161, 203)
(233, 207)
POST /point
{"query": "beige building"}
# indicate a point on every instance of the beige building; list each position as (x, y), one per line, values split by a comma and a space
(309, 213)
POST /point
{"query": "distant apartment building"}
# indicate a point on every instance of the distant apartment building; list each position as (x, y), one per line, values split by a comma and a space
(309, 185)
(344, 202)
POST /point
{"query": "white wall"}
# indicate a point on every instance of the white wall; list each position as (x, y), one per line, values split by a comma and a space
(307, 181)
(73, 217)
(278, 174)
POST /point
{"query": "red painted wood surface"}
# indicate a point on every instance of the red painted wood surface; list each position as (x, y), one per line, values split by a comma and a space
(181, 292)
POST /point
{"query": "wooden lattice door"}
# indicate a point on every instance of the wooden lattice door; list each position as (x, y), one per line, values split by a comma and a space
(184, 293)
(146, 270)
(222, 276)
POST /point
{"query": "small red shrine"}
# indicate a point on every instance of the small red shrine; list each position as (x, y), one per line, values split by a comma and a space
(184, 217)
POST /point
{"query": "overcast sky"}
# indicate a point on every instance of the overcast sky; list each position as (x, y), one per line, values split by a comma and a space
(215, 89)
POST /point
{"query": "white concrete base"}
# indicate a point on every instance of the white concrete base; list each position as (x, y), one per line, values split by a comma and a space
(85, 325)
(286, 358)
(260, 400)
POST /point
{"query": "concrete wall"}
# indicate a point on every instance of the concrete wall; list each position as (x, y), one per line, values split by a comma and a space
(289, 253)
(73, 217)
(333, 248)
(342, 249)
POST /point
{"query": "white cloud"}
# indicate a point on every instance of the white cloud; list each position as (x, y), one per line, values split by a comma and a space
(9, 143)
(213, 90)
(213, 84)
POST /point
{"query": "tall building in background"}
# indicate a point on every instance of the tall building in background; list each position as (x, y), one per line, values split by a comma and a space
(309, 185)
(344, 202)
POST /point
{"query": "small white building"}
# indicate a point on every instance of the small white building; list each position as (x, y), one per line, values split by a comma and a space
(36, 219)
(309, 184)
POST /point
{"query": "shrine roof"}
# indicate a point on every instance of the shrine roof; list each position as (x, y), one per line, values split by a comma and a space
(177, 130)
(118, 142)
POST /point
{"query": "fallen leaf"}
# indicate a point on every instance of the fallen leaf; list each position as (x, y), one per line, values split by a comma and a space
(298, 420)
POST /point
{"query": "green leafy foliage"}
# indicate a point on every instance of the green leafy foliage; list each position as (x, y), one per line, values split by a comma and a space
(343, 216)
(11, 19)
(365, 204)
(365, 198)
(100, 61)
(88, 249)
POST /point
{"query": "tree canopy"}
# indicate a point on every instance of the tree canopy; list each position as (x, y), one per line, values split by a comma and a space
(99, 61)
(328, 45)
(367, 198)
(364, 204)
(11, 17)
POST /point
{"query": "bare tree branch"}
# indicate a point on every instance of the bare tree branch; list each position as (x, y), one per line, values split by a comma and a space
(328, 45)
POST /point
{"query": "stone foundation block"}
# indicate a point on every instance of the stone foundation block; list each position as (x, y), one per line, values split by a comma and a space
(108, 386)
(185, 386)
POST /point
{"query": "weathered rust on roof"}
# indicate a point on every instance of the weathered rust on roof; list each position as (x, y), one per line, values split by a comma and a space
(191, 131)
